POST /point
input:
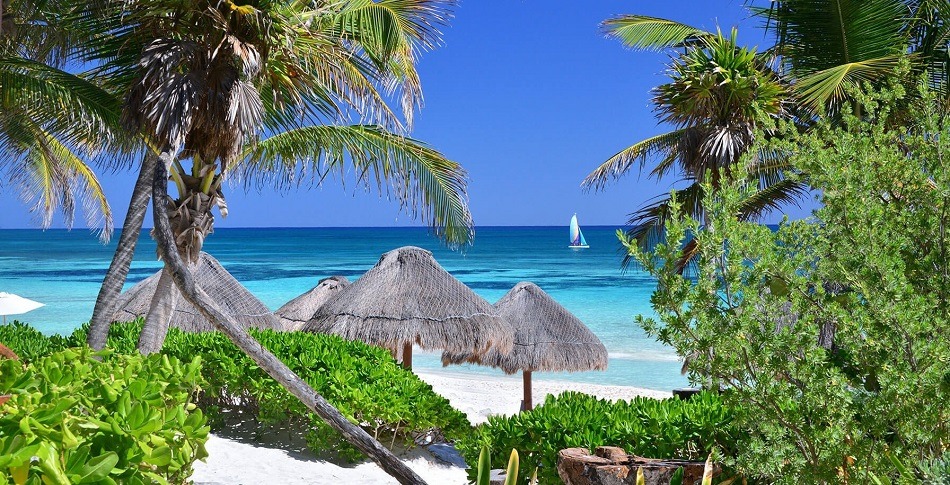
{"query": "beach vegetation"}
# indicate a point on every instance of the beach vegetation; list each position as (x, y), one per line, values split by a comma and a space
(75, 416)
(827, 336)
(263, 92)
(364, 382)
(668, 428)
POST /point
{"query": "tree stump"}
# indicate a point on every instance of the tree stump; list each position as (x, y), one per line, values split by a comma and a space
(610, 465)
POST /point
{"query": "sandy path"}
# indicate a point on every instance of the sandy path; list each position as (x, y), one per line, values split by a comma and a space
(239, 462)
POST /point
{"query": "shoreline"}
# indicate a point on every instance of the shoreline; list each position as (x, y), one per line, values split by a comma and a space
(238, 461)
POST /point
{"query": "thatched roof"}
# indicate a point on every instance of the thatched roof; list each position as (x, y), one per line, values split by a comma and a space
(547, 337)
(227, 292)
(408, 298)
(295, 313)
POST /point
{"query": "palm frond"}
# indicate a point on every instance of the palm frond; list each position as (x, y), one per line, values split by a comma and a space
(419, 177)
(773, 197)
(77, 110)
(666, 145)
(828, 88)
(50, 175)
(826, 45)
(652, 33)
(648, 223)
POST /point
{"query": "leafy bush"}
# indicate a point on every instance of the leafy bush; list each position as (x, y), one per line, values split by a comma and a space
(362, 381)
(830, 333)
(669, 428)
(29, 343)
(127, 419)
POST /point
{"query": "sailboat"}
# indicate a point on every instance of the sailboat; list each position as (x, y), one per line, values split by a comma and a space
(577, 237)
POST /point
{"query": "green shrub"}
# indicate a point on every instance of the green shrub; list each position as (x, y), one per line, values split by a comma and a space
(362, 381)
(669, 428)
(29, 343)
(830, 333)
(74, 419)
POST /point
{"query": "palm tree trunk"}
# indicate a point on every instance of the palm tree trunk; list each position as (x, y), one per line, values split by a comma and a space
(160, 311)
(270, 364)
(119, 268)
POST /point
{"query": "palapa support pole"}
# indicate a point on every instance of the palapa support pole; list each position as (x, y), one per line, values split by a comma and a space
(407, 355)
(526, 404)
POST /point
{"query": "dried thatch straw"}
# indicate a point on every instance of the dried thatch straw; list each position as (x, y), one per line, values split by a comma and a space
(547, 337)
(295, 313)
(407, 298)
(233, 298)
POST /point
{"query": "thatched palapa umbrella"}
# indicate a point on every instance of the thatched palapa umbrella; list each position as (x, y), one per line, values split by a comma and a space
(295, 313)
(217, 283)
(406, 299)
(547, 338)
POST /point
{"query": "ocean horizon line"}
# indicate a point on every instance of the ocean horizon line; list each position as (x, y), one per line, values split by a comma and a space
(425, 228)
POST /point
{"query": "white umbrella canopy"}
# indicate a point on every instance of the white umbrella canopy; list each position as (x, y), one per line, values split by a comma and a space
(11, 304)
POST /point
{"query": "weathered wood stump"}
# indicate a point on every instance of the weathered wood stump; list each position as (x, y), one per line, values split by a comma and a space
(610, 465)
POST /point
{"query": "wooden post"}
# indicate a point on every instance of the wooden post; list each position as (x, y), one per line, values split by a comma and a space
(526, 404)
(407, 355)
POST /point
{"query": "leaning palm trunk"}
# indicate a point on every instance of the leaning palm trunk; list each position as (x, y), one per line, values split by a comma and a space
(253, 349)
(164, 303)
(191, 220)
(119, 268)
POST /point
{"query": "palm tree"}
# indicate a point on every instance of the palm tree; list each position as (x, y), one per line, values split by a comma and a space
(201, 79)
(717, 97)
(52, 123)
(824, 51)
(292, 98)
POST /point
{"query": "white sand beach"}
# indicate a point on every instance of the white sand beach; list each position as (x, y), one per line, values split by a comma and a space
(236, 462)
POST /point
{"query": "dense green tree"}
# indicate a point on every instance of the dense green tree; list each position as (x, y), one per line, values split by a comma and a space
(829, 335)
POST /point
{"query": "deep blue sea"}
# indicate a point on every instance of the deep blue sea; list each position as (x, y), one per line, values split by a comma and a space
(63, 269)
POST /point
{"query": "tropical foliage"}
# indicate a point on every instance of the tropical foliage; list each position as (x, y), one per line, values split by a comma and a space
(124, 419)
(827, 336)
(823, 50)
(53, 124)
(717, 99)
(367, 385)
(669, 428)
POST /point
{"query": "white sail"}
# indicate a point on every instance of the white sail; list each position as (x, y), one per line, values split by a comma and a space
(577, 237)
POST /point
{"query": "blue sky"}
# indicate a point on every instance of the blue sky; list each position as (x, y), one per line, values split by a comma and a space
(528, 96)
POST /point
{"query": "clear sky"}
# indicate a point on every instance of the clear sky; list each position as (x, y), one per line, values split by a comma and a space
(527, 95)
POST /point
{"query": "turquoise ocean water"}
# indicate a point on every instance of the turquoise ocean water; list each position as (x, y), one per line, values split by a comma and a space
(63, 269)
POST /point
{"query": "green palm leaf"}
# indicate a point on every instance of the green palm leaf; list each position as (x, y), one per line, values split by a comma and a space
(77, 109)
(773, 197)
(50, 175)
(415, 174)
(830, 87)
(666, 145)
(651, 33)
(826, 46)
